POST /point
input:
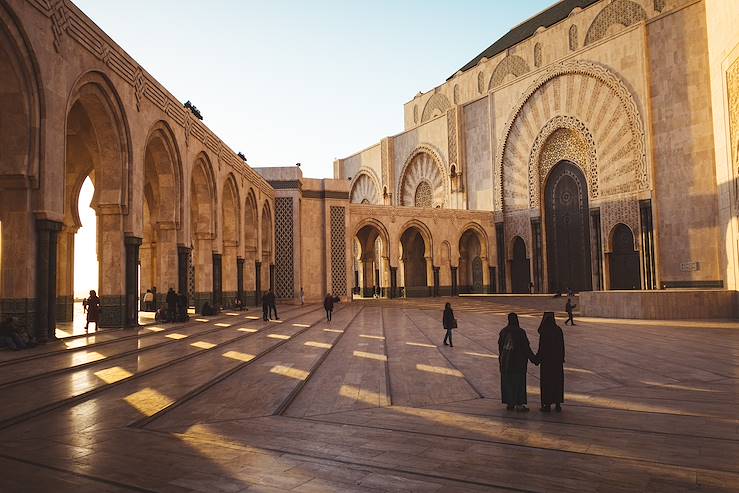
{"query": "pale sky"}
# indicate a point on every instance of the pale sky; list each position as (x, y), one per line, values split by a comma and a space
(297, 81)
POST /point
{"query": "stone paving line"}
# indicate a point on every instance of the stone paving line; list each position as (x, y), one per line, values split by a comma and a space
(647, 409)
(153, 337)
(86, 382)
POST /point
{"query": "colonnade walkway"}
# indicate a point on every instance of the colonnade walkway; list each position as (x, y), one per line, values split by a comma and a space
(370, 401)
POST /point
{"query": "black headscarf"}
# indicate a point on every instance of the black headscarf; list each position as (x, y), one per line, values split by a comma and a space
(551, 340)
(513, 321)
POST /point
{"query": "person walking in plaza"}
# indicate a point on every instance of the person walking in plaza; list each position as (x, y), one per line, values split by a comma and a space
(272, 305)
(551, 357)
(569, 306)
(449, 323)
(265, 306)
(92, 307)
(514, 353)
(328, 305)
(171, 304)
(149, 301)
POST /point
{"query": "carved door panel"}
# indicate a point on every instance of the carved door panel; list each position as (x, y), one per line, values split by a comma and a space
(567, 229)
(625, 271)
(520, 273)
(477, 275)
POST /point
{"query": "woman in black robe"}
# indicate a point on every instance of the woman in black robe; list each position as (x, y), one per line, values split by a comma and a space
(551, 355)
(449, 323)
(514, 352)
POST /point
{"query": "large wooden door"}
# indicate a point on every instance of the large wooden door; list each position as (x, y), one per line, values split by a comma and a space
(520, 273)
(477, 275)
(624, 265)
(567, 229)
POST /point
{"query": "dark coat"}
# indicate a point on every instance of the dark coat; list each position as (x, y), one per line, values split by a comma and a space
(171, 299)
(447, 319)
(93, 309)
(516, 359)
(328, 303)
(551, 354)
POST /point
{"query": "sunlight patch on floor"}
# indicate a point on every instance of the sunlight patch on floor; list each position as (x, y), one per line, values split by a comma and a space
(176, 335)
(440, 370)
(148, 401)
(278, 336)
(363, 354)
(238, 356)
(318, 344)
(289, 372)
(203, 345)
(113, 374)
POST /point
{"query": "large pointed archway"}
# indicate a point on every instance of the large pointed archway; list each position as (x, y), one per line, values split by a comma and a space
(416, 267)
(202, 230)
(566, 211)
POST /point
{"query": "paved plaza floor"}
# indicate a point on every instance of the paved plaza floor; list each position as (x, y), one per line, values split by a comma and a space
(370, 402)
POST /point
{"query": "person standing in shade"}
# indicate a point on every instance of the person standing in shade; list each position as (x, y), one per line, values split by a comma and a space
(171, 304)
(92, 307)
(328, 305)
(449, 323)
(302, 296)
(149, 301)
(273, 305)
(265, 306)
(514, 352)
(551, 357)
(569, 306)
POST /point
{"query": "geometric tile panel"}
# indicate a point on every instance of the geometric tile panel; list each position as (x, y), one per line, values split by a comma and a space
(284, 247)
(338, 251)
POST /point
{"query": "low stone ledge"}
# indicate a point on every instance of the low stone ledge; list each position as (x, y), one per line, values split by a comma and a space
(666, 304)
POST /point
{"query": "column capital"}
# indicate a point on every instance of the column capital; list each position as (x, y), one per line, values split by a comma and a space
(132, 240)
(49, 225)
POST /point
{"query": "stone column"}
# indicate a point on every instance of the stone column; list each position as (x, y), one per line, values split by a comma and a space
(132, 277)
(46, 243)
(485, 275)
(258, 282)
(430, 275)
(367, 276)
(217, 281)
(385, 275)
(203, 257)
(240, 279)
(166, 257)
(437, 280)
(491, 287)
(455, 286)
(65, 279)
(393, 282)
(112, 255)
(183, 268)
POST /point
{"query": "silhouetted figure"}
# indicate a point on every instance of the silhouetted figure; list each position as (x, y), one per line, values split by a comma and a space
(155, 302)
(149, 301)
(569, 306)
(449, 323)
(207, 309)
(551, 357)
(171, 304)
(302, 296)
(328, 305)
(272, 304)
(265, 306)
(238, 304)
(92, 306)
(182, 304)
(514, 354)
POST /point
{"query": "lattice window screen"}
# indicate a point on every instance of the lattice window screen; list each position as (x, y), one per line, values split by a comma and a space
(284, 275)
(338, 251)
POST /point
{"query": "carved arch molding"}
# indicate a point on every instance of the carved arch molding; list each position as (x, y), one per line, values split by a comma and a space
(602, 132)
(365, 188)
(423, 165)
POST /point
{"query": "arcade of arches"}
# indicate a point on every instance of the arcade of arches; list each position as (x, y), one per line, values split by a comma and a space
(546, 166)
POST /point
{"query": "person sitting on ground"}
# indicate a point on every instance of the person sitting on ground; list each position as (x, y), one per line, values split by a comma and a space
(449, 323)
(161, 315)
(238, 304)
(514, 353)
(207, 309)
(7, 332)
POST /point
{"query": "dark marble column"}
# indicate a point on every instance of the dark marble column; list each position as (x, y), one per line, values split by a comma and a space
(240, 279)
(132, 280)
(258, 282)
(217, 281)
(271, 277)
(455, 287)
(393, 282)
(491, 286)
(183, 268)
(46, 243)
(437, 280)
